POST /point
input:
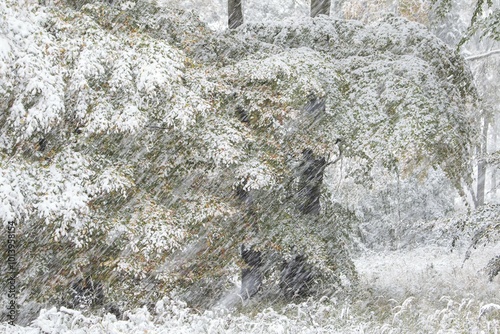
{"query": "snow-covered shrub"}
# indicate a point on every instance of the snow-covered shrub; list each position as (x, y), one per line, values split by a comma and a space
(122, 150)
(169, 315)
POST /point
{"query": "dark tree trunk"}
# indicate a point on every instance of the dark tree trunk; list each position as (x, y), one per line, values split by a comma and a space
(251, 275)
(235, 14)
(311, 178)
(320, 7)
(251, 282)
(296, 278)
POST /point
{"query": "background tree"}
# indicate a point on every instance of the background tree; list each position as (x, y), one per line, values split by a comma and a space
(235, 14)
(320, 7)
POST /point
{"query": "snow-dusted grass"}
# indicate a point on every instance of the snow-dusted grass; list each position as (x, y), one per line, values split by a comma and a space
(422, 290)
(425, 272)
(429, 290)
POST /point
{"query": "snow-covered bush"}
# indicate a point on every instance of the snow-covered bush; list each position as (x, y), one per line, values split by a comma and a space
(122, 149)
(314, 316)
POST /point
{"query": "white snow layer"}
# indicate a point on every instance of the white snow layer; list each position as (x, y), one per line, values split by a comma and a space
(423, 290)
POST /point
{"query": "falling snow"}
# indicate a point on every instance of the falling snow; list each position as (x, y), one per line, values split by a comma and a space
(294, 175)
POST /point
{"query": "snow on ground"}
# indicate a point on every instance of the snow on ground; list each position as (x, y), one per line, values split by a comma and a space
(422, 290)
(430, 271)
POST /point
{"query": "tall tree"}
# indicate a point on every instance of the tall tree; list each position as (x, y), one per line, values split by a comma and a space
(482, 151)
(235, 14)
(320, 7)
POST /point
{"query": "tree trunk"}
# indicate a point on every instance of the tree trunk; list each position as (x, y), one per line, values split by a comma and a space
(296, 278)
(481, 165)
(235, 14)
(310, 182)
(494, 138)
(251, 275)
(320, 7)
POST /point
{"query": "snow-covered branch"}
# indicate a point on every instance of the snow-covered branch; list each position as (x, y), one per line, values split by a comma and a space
(483, 55)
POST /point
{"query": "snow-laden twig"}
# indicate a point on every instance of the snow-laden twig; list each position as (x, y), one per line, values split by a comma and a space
(483, 55)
